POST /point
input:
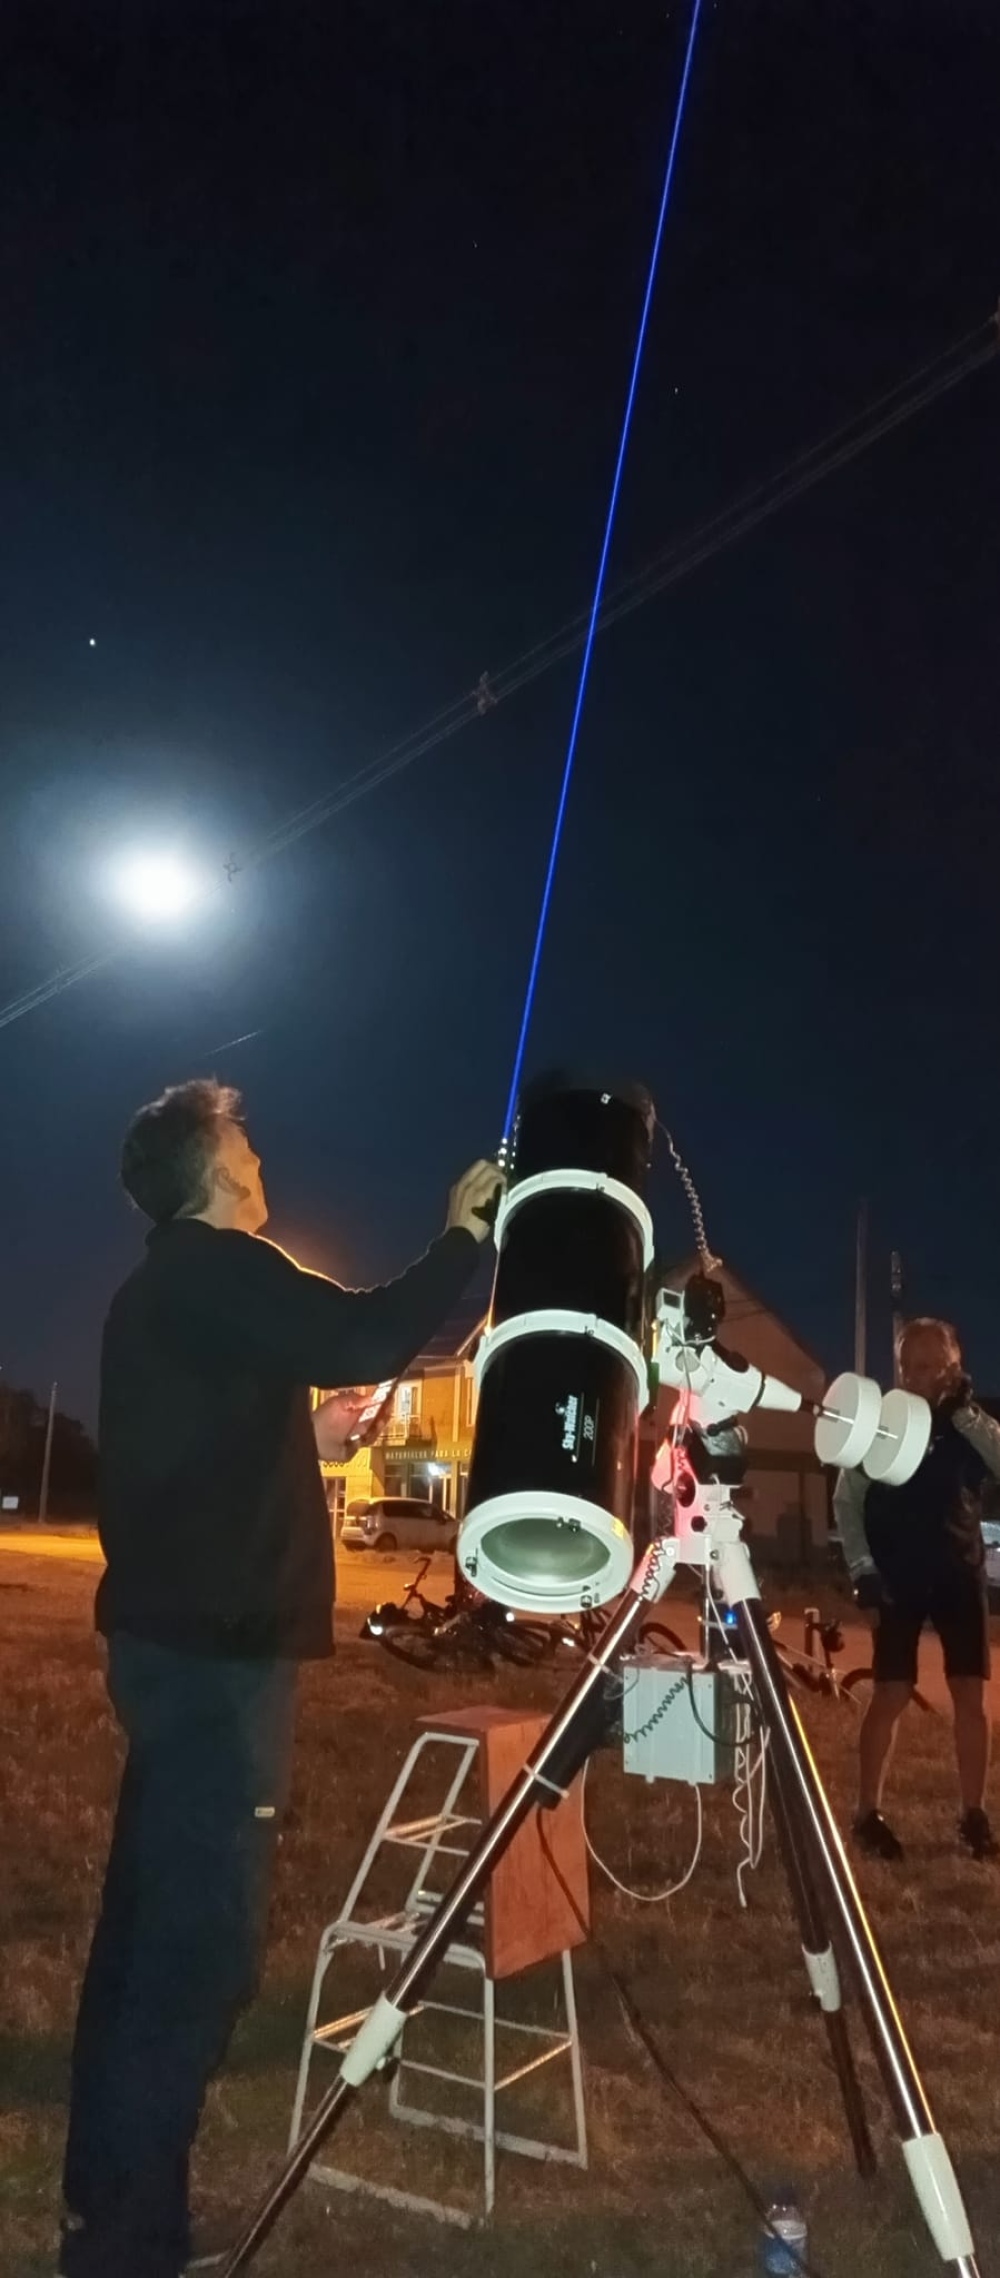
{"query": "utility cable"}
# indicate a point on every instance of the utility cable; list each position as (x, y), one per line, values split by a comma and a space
(662, 571)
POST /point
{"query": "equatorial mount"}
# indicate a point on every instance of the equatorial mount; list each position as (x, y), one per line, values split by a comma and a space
(857, 1426)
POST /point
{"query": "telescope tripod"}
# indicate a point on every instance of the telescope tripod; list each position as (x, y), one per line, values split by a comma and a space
(819, 1877)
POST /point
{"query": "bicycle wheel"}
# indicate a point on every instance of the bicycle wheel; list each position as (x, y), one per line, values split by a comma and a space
(457, 1644)
(413, 1643)
(524, 1643)
(798, 1676)
(857, 1684)
(660, 1639)
(461, 1642)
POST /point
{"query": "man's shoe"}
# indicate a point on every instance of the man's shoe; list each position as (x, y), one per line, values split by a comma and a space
(975, 1832)
(876, 1837)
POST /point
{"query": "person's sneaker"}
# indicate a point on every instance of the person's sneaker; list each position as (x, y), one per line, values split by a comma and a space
(975, 1832)
(876, 1837)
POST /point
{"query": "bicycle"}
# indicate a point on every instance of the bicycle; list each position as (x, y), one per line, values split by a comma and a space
(811, 1667)
(464, 1631)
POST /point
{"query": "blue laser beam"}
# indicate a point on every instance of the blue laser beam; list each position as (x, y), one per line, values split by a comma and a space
(595, 609)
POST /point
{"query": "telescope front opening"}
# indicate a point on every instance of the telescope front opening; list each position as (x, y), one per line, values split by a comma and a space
(545, 1554)
(532, 1549)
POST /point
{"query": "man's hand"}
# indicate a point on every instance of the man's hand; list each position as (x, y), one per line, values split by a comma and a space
(869, 1592)
(473, 1202)
(334, 1421)
(957, 1395)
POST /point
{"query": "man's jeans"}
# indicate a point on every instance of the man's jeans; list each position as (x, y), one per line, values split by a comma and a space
(178, 1945)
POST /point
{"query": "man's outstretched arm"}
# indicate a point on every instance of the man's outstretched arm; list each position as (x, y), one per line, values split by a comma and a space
(309, 1329)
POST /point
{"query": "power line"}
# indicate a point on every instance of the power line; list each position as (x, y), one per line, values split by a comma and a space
(62, 979)
(751, 507)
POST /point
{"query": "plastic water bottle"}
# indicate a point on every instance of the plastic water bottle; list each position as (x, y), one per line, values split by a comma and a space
(784, 2245)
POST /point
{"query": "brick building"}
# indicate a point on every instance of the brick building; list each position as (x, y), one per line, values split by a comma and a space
(425, 1443)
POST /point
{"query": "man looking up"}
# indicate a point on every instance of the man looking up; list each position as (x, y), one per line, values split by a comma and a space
(219, 1581)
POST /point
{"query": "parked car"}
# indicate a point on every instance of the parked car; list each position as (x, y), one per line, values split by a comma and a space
(398, 1522)
(991, 1523)
(991, 1541)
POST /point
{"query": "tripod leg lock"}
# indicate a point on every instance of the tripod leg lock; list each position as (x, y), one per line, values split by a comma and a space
(824, 1977)
(374, 2043)
(936, 2185)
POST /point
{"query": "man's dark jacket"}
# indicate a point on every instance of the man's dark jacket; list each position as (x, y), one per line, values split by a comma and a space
(213, 1518)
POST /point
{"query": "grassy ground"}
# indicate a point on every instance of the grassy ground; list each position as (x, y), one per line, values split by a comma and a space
(722, 1989)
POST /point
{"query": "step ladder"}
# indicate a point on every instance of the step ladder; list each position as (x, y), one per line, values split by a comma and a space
(525, 1919)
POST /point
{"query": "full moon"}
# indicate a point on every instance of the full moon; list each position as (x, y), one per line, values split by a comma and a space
(158, 889)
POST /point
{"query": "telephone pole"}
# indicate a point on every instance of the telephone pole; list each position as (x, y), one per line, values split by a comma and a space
(896, 1271)
(861, 1292)
(43, 1499)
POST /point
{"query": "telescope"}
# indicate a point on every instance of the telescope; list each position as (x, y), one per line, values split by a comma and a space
(561, 1369)
(569, 1360)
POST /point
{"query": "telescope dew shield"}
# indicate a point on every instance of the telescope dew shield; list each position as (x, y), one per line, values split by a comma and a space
(561, 1371)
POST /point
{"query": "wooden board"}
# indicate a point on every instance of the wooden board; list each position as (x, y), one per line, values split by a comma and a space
(528, 1915)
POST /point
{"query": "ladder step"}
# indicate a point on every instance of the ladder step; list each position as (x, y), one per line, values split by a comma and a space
(397, 1936)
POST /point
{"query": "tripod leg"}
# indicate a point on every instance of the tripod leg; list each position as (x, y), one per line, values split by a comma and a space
(553, 1764)
(821, 1967)
(925, 2152)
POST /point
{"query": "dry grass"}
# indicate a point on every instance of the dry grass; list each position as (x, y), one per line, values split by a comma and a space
(723, 1989)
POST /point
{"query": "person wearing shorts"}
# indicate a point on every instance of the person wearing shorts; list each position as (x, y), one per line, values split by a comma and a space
(916, 1560)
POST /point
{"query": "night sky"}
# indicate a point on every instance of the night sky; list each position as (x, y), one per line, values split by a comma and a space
(317, 326)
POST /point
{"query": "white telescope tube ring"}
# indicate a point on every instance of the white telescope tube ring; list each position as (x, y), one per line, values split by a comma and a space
(579, 1182)
(553, 1322)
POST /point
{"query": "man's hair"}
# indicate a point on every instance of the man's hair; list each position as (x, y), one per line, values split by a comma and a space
(920, 1326)
(169, 1147)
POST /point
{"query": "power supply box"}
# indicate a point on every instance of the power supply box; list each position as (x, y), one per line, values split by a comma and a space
(682, 1720)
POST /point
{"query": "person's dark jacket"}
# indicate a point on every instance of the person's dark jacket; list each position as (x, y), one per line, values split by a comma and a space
(918, 1536)
(212, 1513)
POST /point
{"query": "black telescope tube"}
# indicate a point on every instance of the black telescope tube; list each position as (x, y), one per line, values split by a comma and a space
(562, 1373)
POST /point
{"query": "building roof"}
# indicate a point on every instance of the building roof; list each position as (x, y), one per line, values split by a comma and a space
(456, 1339)
(747, 1315)
(457, 1336)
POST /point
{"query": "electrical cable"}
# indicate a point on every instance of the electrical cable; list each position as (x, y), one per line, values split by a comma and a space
(64, 977)
(663, 570)
(749, 1793)
(645, 1897)
(718, 1739)
(666, 568)
(707, 1258)
(644, 2034)
(749, 1776)
(598, 595)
